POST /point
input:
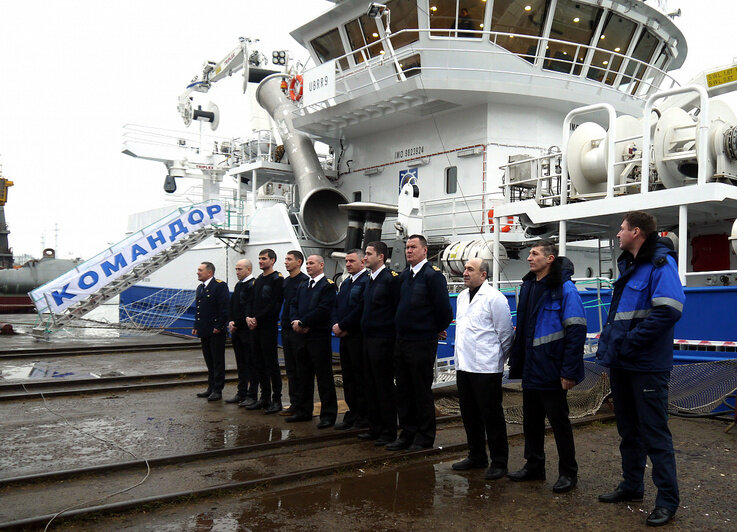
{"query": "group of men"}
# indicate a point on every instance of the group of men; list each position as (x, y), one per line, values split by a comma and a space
(389, 325)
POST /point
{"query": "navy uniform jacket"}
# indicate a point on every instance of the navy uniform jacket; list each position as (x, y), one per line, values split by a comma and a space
(554, 347)
(646, 304)
(267, 297)
(241, 304)
(424, 307)
(380, 305)
(290, 286)
(349, 303)
(212, 308)
(313, 307)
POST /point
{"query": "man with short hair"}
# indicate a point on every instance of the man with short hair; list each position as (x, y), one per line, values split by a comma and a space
(377, 328)
(240, 307)
(547, 354)
(310, 312)
(212, 296)
(293, 263)
(264, 324)
(636, 344)
(347, 326)
(423, 314)
(483, 338)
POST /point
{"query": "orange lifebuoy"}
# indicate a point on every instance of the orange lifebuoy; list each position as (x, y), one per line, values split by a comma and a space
(295, 88)
(505, 228)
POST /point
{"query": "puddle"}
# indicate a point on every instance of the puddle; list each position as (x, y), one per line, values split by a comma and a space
(41, 370)
(239, 435)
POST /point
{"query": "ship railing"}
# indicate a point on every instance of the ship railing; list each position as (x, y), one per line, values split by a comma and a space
(643, 80)
(462, 215)
(535, 178)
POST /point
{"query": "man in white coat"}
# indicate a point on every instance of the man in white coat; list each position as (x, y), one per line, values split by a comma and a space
(484, 336)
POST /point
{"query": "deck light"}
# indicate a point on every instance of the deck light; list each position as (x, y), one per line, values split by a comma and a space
(375, 10)
(374, 34)
(528, 8)
(433, 9)
(602, 37)
(605, 62)
(576, 19)
(617, 49)
(481, 25)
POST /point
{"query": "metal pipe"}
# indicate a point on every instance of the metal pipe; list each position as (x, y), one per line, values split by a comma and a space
(683, 239)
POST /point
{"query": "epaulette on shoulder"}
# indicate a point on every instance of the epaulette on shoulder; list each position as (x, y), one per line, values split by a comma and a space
(218, 280)
(394, 274)
(330, 281)
(436, 268)
(279, 274)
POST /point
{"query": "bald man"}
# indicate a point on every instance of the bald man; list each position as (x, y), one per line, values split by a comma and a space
(311, 313)
(240, 307)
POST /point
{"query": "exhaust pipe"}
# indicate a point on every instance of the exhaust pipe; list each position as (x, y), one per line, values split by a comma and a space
(320, 217)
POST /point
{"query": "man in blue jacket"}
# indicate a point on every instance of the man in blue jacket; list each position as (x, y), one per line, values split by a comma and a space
(548, 355)
(213, 298)
(637, 345)
(347, 326)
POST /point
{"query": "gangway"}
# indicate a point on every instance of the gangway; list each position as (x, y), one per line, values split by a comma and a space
(106, 275)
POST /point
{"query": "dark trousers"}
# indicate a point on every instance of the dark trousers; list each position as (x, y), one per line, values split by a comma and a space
(415, 369)
(351, 365)
(289, 344)
(213, 349)
(315, 360)
(378, 371)
(247, 375)
(264, 348)
(536, 405)
(480, 395)
(641, 407)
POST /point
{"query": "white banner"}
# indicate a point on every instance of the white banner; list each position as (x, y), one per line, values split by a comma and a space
(319, 83)
(99, 271)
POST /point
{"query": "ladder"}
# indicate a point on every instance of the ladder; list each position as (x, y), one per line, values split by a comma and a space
(50, 322)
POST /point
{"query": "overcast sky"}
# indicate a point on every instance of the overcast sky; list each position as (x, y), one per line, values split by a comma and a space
(74, 72)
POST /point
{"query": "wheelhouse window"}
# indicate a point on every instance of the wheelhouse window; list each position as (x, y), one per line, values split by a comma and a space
(403, 17)
(361, 32)
(615, 37)
(451, 180)
(634, 70)
(457, 18)
(574, 23)
(329, 46)
(520, 17)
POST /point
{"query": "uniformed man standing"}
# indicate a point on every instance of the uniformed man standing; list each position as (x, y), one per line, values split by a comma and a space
(293, 263)
(211, 318)
(264, 322)
(240, 308)
(347, 327)
(377, 327)
(310, 312)
(423, 314)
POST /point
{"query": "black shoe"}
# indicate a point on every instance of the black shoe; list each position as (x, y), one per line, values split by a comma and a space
(659, 516)
(369, 436)
(325, 423)
(418, 447)
(495, 473)
(296, 418)
(343, 426)
(361, 424)
(258, 405)
(525, 474)
(273, 408)
(398, 445)
(248, 401)
(236, 399)
(564, 484)
(381, 442)
(206, 393)
(467, 463)
(288, 411)
(215, 396)
(620, 495)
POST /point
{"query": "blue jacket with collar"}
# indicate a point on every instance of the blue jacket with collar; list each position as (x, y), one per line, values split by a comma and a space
(212, 308)
(349, 303)
(646, 304)
(313, 307)
(555, 348)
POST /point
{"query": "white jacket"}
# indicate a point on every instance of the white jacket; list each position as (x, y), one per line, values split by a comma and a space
(484, 331)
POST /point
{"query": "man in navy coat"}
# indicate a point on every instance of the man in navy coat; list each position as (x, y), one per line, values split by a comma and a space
(211, 318)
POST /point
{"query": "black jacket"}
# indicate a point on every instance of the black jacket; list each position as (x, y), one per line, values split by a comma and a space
(349, 303)
(241, 304)
(380, 305)
(290, 286)
(424, 308)
(267, 297)
(313, 307)
(212, 308)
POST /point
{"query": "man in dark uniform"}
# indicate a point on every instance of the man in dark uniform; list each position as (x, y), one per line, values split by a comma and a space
(293, 263)
(636, 345)
(264, 323)
(377, 327)
(347, 327)
(310, 312)
(240, 307)
(423, 314)
(212, 297)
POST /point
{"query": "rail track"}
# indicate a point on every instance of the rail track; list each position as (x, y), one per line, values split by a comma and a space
(207, 473)
(57, 351)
